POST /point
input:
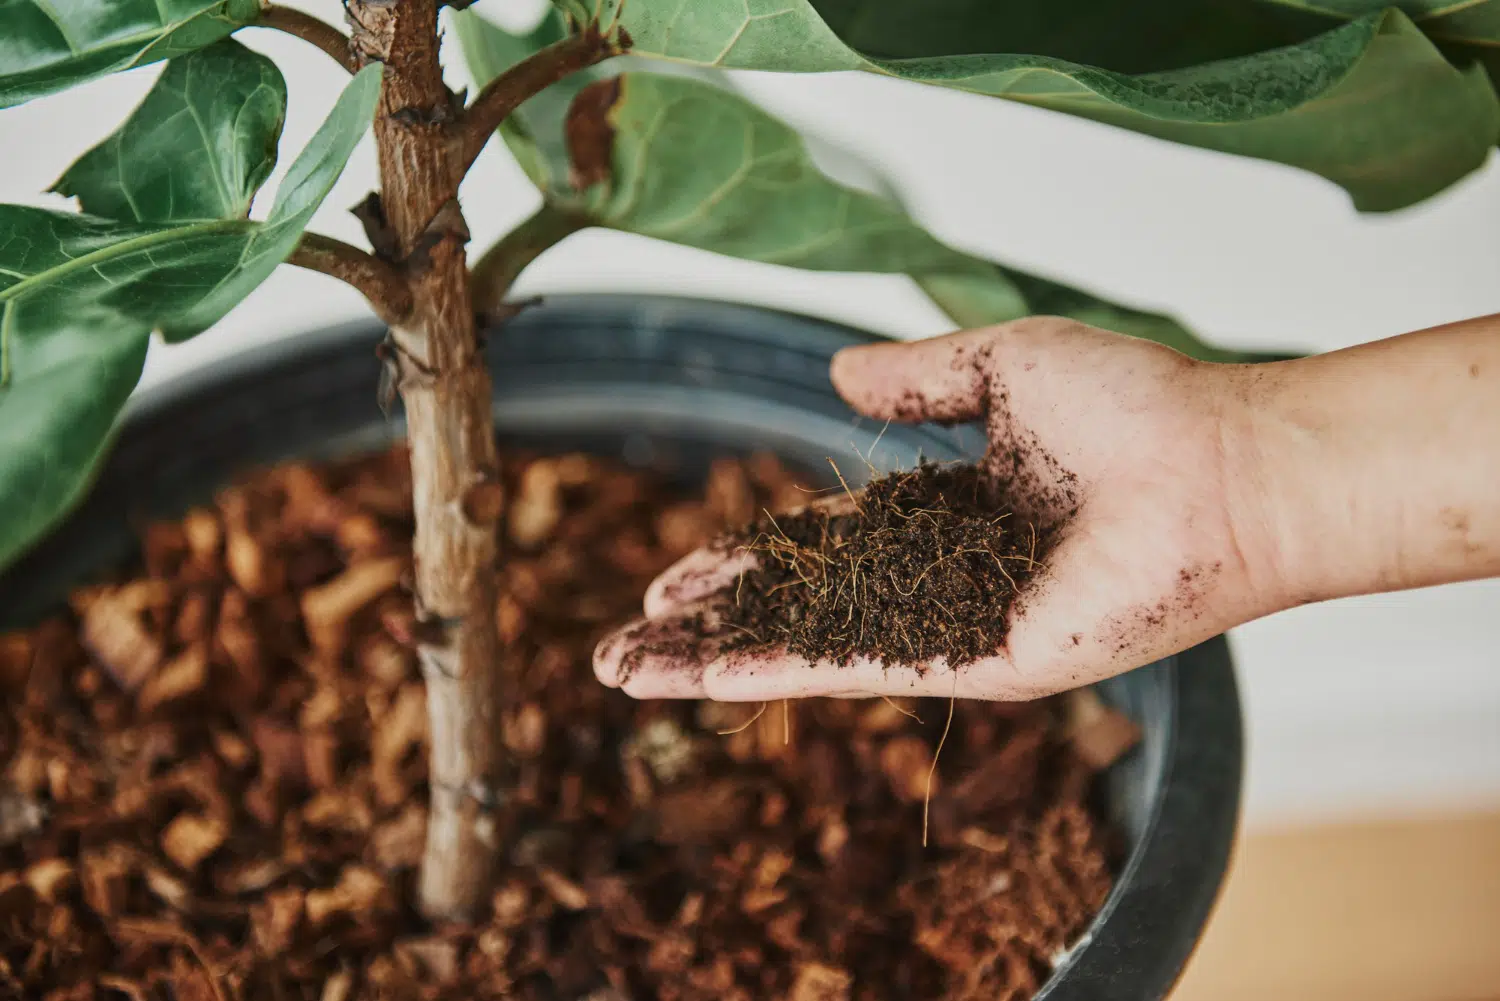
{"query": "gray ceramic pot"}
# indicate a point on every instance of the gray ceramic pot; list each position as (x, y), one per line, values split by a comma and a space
(671, 383)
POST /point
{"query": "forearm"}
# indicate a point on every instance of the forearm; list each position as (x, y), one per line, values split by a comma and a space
(1376, 468)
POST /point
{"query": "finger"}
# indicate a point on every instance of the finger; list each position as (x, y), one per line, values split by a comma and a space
(937, 379)
(683, 656)
(717, 568)
(697, 575)
(660, 658)
(750, 676)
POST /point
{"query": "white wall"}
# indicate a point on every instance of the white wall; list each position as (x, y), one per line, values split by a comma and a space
(1381, 704)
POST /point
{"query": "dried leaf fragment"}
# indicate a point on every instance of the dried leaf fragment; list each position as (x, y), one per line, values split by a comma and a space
(192, 837)
(104, 876)
(326, 609)
(20, 815)
(359, 892)
(398, 843)
(338, 987)
(180, 677)
(114, 634)
(538, 505)
(568, 894)
(429, 959)
(274, 920)
(252, 567)
(590, 135)
(816, 982)
(204, 535)
(403, 727)
(49, 877)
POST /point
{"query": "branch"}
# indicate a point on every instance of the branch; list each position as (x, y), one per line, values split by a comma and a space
(380, 281)
(493, 274)
(525, 80)
(308, 28)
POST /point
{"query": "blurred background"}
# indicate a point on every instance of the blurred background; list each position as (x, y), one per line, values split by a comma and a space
(1373, 788)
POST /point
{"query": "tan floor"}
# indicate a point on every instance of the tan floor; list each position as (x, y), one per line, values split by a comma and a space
(1388, 911)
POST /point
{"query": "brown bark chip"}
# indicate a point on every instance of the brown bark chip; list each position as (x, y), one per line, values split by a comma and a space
(213, 777)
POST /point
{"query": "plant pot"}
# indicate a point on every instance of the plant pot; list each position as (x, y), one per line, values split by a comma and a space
(670, 383)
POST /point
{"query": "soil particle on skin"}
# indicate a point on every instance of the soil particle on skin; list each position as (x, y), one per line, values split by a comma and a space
(1031, 478)
(1141, 626)
(213, 780)
(925, 566)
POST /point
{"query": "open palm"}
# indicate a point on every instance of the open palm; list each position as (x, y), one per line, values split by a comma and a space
(1131, 449)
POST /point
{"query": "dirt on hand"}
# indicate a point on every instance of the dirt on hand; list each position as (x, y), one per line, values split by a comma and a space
(213, 779)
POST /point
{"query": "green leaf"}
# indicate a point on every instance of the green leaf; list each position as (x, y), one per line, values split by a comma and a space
(198, 147)
(1371, 105)
(1463, 21)
(307, 182)
(696, 165)
(72, 342)
(1467, 31)
(1123, 37)
(80, 296)
(50, 45)
(1469, 21)
(55, 423)
(679, 160)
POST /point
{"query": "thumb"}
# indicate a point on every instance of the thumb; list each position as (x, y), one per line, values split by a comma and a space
(938, 379)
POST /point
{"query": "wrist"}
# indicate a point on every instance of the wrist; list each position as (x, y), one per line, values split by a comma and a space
(1280, 486)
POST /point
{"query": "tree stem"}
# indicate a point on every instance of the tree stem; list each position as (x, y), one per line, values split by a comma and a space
(381, 282)
(497, 269)
(524, 80)
(308, 28)
(445, 386)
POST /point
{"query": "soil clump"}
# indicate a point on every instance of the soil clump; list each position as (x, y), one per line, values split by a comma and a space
(925, 564)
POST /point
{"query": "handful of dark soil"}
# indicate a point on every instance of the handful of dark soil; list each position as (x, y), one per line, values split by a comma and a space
(927, 565)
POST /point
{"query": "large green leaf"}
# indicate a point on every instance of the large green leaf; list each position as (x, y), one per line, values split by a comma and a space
(696, 165)
(679, 160)
(1371, 104)
(80, 296)
(67, 386)
(1124, 37)
(50, 45)
(198, 147)
(1465, 30)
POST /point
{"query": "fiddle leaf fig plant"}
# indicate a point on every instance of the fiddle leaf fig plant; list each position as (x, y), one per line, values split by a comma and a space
(621, 116)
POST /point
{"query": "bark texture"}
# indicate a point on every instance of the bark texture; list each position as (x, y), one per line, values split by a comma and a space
(445, 386)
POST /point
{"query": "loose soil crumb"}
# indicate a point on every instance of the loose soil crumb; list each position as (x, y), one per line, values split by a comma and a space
(926, 566)
(213, 780)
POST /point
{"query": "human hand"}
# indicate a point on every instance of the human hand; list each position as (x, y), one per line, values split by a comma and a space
(1133, 449)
